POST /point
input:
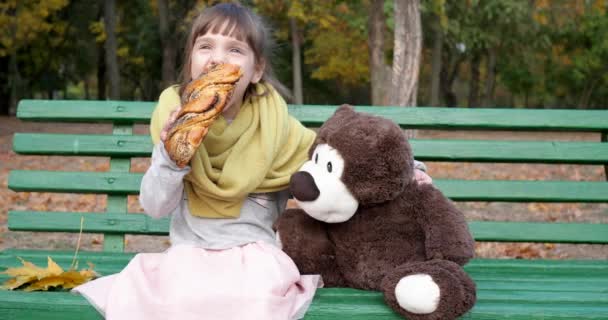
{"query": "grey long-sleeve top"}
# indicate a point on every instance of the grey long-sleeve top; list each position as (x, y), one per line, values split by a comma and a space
(162, 194)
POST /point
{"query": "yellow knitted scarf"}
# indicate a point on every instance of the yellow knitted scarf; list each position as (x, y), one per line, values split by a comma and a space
(257, 152)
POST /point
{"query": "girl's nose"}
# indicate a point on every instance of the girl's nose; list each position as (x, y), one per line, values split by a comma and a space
(217, 57)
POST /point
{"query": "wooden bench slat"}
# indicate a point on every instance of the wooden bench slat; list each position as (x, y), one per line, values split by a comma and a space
(331, 303)
(524, 190)
(435, 150)
(539, 232)
(142, 224)
(469, 118)
(457, 190)
(315, 115)
(94, 222)
(507, 282)
(511, 151)
(478, 265)
(85, 111)
(83, 144)
(76, 182)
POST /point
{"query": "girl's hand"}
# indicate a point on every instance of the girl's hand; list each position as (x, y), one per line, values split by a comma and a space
(170, 121)
(422, 177)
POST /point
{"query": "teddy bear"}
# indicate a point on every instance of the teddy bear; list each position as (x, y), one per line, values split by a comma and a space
(364, 222)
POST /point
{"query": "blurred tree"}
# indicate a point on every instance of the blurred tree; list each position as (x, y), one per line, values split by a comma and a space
(380, 72)
(111, 47)
(168, 43)
(21, 22)
(438, 24)
(174, 17)
(406, 53)
(577, 65)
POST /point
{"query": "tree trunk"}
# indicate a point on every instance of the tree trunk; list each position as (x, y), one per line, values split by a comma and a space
(379, 71)
(406, 55)
(87, 93)
(474, 82)
(436, 62)
(101, 73)
(296, 61)
(111, 48)
(5, 95)
(488, 97)
(406, 52)
(449, 71)
(168, 44)
(15, 81)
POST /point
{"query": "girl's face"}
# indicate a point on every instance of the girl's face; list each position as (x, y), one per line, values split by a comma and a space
(217, 48)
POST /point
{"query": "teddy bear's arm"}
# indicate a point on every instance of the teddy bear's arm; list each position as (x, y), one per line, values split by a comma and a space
(447, 235)
(305, 240)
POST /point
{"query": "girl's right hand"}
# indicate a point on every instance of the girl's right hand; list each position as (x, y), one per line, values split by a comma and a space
(168, 124)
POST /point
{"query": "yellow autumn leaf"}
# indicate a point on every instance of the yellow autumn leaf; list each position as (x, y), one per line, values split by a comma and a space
(38, 278)
(17, 282)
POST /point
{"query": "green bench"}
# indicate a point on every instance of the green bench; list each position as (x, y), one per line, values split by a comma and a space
(507, 288)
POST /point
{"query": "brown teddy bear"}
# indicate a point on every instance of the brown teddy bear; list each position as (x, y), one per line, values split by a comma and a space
(365, 222)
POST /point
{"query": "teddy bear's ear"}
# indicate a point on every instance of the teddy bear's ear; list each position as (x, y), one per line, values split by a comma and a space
(339, 119)
(344, 110)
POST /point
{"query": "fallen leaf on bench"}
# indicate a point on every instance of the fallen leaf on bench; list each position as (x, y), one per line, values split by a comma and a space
(34, 278)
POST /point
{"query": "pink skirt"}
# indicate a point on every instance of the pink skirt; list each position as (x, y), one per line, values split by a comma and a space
(254, 281)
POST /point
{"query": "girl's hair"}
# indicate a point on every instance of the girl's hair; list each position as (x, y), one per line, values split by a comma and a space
(234, 20)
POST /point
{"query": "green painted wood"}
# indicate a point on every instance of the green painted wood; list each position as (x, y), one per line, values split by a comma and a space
(465, 118)
(436, 150)
(108, 223)
(511, 151)
(524, 191)
(328, 304)
(315, 115)
(83, 145)
(486, 267)
(605, 140)
(118, 204)
(539, 232)
(336, 303)
(76, 182)
(142, 224)
(457, 190)
(85, 110)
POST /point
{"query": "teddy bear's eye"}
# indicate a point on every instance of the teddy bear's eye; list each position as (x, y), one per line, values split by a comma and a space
(329, 167)
(316, 158)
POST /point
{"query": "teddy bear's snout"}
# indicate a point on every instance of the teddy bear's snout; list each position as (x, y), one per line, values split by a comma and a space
(303, 187)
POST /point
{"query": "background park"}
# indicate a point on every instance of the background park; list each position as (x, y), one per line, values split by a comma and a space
(461, 54)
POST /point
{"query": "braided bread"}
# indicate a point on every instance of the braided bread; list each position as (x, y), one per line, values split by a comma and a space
(202, 101)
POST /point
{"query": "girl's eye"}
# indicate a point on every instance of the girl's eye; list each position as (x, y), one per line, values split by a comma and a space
(329, 167)
(316, 158)
(236, 50)
(204, 46)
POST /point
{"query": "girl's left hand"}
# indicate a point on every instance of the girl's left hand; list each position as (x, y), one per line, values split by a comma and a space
(422, 177)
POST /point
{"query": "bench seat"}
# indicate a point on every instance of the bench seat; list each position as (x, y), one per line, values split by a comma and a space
(507, 289)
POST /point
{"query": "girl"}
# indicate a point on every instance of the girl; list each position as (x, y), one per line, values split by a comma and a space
(224, 262)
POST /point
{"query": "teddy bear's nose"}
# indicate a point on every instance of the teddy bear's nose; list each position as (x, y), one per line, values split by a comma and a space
(302, 186)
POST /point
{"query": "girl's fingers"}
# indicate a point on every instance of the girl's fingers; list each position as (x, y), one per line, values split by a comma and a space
(422, 177)
(172, 118)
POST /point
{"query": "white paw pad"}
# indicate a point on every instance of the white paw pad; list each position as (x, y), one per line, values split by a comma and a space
(278, 239)
(417, 294)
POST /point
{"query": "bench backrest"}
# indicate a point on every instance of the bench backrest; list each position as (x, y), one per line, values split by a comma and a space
(122, 145)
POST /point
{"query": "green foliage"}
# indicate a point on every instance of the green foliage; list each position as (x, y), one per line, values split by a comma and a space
(580, 66)
(22, 21)
(548, 53)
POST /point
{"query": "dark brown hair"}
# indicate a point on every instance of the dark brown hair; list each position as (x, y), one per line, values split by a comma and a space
(234, 20)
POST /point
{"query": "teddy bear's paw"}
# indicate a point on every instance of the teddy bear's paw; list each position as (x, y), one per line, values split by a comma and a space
(278, 240)
(417, 293)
